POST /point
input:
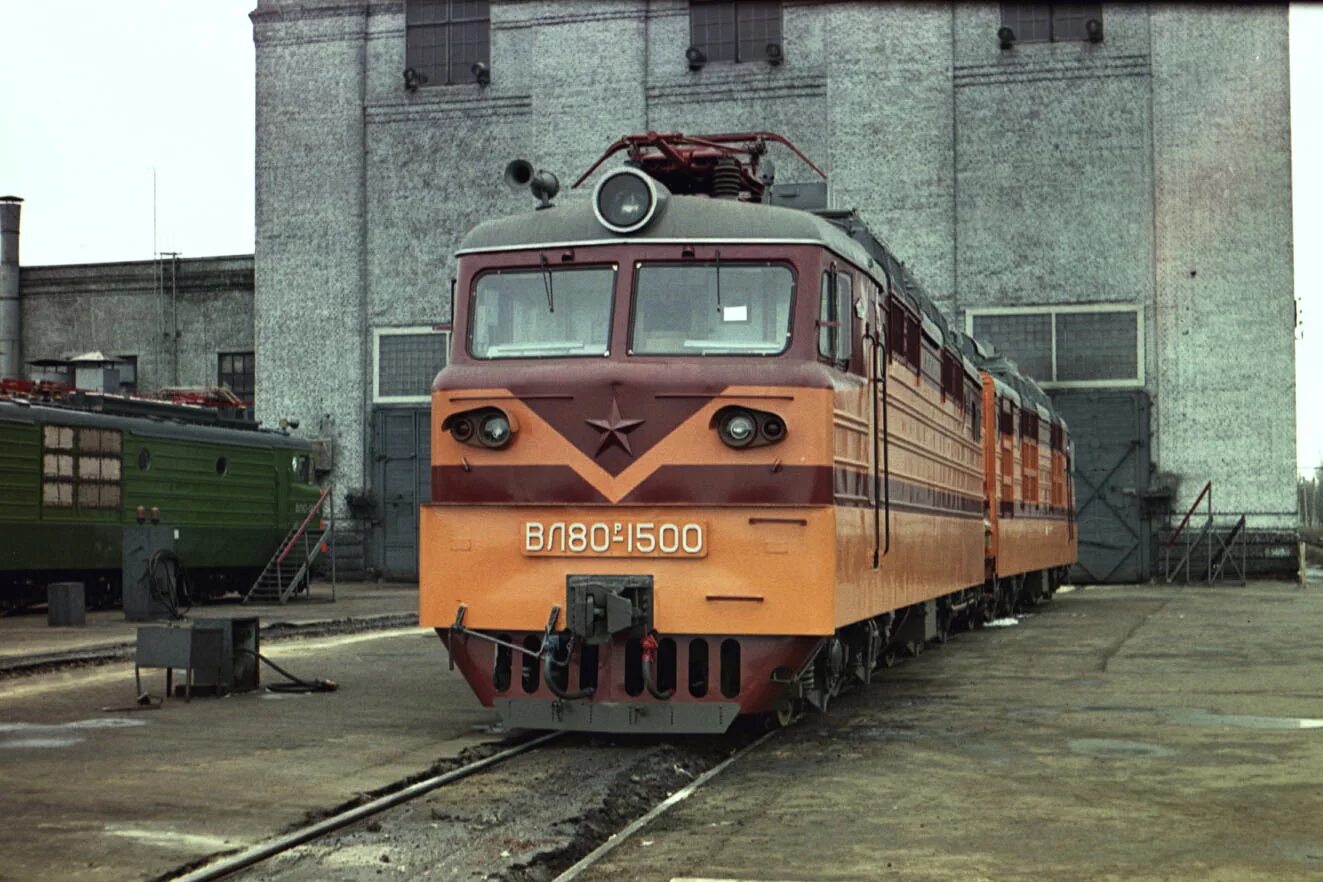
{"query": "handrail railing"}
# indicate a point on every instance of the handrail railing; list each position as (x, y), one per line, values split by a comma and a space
(1208, 489)
(289, 544)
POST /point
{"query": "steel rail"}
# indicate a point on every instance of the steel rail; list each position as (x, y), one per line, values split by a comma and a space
(272, 847)
(660, 809)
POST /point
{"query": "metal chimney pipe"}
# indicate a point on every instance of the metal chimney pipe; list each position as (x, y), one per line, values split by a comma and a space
(11, 327)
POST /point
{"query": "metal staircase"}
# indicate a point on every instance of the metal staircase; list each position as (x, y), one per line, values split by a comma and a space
(1210, 549)
(289, 570)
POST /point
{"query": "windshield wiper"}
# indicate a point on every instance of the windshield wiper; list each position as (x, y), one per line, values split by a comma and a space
(546, 281)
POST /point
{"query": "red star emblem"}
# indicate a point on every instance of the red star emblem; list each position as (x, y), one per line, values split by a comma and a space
(614, 429)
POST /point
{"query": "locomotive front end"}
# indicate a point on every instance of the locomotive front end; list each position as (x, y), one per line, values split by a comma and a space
(632, 522)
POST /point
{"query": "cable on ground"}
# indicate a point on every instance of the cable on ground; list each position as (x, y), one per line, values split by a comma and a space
(295, 684)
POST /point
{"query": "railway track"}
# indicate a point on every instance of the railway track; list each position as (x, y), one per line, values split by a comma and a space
(599, 843)
(263, 851)
(601, 851)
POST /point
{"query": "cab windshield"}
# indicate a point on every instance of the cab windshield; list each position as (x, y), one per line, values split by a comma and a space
(715, 308)
(548, 313)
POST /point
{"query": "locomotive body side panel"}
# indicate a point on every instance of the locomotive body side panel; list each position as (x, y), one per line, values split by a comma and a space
(1030, 522)
(935, 499)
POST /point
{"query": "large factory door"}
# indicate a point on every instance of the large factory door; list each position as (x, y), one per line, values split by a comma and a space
(1111, 434)
(402, 444)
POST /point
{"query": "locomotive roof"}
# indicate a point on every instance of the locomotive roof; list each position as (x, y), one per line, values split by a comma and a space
(15, 411)
(686, 218)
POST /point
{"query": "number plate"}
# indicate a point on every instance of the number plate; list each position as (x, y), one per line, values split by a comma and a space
(615, 539)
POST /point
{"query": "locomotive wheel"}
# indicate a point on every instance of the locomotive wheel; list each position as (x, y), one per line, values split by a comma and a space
(1009, 599)
(788, 712)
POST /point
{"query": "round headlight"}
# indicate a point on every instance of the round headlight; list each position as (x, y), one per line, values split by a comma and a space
(462, 430)
(738, 429)
(773, 428)
(625, 200)
(495, 430)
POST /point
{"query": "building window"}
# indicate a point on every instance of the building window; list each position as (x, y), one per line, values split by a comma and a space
(1049, 22)
(726, 30)
(1068, 346)
(236, 371)
(445, 38)
(406, 361)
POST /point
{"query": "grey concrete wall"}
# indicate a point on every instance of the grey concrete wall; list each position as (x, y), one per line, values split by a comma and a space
(1224, 280)
(311, 232)
(1053, 173)
(1053, 153)
(121, 309)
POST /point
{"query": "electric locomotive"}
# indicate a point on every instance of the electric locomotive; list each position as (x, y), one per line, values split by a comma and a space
(79, 469)
(696, 455)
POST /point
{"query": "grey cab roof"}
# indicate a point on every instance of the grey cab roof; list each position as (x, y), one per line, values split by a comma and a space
(690, 218)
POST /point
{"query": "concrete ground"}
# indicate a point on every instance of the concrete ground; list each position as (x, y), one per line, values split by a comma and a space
(93, 790)
(1146, 732)
(1123, 733)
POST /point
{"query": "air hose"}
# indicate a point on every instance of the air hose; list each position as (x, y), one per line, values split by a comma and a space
(649, 676)
(295, 684)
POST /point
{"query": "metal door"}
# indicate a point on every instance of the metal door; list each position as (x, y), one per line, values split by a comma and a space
(1111, 472)
(402, 445)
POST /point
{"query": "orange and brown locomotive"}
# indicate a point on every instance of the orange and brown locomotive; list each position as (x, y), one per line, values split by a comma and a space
(696, 455)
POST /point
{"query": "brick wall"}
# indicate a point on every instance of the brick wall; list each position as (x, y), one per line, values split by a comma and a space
(1051, 173)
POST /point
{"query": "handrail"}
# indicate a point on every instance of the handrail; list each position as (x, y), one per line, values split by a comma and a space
(289, 545)
(1208, 489)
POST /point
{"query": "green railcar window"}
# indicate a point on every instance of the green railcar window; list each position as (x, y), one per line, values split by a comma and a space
(81, 468)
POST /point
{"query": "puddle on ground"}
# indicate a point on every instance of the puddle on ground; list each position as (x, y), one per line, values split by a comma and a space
(1118, 748)
(1198, 717)
(95, 723)
(44, 736)
(168, 838)
(40, 743)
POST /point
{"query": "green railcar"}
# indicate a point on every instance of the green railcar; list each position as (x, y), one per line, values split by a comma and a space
(72, 480)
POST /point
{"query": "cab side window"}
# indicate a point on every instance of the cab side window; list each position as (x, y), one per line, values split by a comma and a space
(835, 318)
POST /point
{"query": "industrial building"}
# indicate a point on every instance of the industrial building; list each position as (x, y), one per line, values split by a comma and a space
(1101, 190)
(162, 323)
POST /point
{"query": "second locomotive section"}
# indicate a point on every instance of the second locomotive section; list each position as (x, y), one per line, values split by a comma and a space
(659, 464)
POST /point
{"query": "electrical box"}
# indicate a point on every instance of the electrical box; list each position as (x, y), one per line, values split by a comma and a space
(218, 656)
(239, 668)
(143, 601)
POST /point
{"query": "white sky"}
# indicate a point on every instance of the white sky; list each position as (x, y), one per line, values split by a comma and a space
(99, 98)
